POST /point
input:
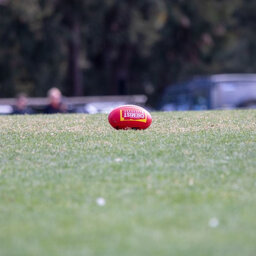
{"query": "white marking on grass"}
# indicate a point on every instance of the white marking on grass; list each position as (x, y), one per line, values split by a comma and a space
(118, 160)
(213, 223)
(235, 186)
(191, 182)
(101, 201)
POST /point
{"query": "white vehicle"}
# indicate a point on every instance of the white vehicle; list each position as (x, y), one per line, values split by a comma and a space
(225, 91)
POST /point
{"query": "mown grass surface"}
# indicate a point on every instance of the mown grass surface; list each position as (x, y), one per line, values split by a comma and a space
(162, 186)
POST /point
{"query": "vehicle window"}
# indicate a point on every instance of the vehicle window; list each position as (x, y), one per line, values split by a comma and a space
(176, 101)
(199, 99)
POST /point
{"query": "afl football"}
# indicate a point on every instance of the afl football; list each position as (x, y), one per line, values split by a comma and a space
(130, 117)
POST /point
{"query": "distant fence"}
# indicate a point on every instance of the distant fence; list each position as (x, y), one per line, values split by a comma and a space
(39, 102)
(89, 104)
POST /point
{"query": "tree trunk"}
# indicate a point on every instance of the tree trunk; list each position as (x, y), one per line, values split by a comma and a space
(121, 71)
(74, 47)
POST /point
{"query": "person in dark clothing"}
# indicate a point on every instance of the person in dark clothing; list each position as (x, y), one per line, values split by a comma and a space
(55, 105)
(21, 107)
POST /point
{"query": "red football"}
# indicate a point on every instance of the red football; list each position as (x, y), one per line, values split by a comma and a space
(130, 117)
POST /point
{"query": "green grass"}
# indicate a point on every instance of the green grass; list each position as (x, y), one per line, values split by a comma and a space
(162, 185)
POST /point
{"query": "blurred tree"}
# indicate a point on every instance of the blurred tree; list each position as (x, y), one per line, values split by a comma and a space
(242, 52)
(195, 33)
(127, 32)
(32, 54)
(120, 47)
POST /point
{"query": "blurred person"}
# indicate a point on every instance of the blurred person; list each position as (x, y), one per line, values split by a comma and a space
(21, 105)
(55, 102)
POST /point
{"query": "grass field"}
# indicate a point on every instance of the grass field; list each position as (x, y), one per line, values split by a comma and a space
(185, 186)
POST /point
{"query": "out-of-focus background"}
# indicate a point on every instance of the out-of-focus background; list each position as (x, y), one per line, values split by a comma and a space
(163, 54)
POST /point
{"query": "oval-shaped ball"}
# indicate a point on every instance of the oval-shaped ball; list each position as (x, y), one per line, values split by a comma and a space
(130, 117)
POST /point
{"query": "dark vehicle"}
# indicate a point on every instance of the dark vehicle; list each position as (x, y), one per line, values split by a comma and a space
(225, 91)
